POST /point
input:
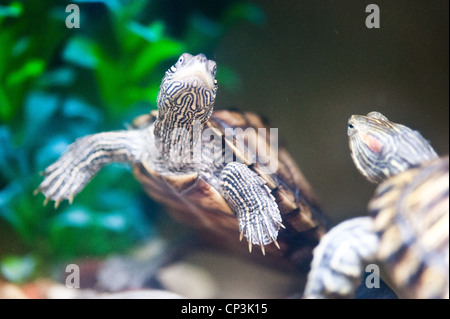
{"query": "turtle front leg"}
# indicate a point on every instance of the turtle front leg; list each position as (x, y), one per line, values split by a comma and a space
(84, 158)
(339, 259)
(255, 207)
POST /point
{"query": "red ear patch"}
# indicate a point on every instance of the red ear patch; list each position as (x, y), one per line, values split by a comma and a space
(372, 143)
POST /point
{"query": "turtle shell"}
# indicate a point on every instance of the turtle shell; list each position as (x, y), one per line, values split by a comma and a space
(411, 217)
(190, 199)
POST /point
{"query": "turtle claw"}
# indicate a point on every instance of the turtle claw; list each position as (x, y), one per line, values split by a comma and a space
(57, 202)
(263, 250)
(47, 200)
(276, 244)
(50, 196)
(260, 231)
(261, 245)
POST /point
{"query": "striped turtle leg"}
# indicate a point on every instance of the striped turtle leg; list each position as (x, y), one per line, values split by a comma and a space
(85, 157)
(339, 259)
(255, 207)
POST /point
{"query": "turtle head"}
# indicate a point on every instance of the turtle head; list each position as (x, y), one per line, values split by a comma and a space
(188, 90)
(185, 100)
(381, 148)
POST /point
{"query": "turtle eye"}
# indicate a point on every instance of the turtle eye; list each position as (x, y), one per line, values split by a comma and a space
(350, 129)
(182, 59)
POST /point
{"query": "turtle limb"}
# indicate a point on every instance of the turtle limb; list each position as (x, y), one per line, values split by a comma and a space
(340, 258)
(256, 209)
(84, 158)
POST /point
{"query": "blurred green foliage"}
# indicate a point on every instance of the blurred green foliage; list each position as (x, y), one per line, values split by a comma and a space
(57, 84)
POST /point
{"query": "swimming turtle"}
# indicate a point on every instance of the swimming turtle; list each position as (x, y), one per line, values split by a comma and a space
(407, 231)
(219, 171)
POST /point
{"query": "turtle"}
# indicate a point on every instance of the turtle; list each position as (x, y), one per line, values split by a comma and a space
(406, 232)
(204, 166)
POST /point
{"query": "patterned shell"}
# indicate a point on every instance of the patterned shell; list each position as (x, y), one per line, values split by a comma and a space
(411, 212)
(190, 199)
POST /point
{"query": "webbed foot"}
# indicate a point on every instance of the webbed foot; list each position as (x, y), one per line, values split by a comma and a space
(255, 207)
